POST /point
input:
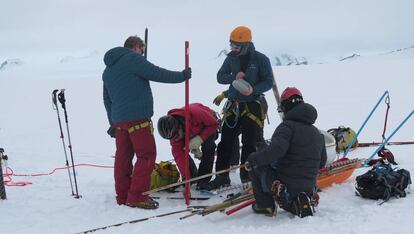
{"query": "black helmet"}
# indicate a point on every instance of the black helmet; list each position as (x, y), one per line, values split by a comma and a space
(168, 127)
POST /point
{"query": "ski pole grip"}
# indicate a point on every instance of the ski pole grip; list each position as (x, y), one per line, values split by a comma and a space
(54, 96)
(61, 97)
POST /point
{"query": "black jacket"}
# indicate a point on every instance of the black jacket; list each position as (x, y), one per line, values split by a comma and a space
(297, 148)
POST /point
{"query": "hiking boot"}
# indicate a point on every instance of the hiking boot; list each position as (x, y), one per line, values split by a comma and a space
(303, 205)
(244, 176)
(202, 186)
(280, 194)
(193, 168)
(147, 204)
(265, 211)
(314, 199)
(218, 182)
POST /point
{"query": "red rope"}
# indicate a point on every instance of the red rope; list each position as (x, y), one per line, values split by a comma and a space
(9, 174)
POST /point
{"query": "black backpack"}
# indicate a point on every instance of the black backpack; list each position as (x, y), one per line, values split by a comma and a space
(383, 182)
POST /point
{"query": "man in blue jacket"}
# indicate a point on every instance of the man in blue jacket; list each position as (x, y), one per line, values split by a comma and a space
(129, 105)
(248, 74)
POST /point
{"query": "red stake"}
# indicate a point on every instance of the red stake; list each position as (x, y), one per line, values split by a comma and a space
(187, 128)
(241, 206)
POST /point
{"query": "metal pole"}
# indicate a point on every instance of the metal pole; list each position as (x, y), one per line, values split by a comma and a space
(62, 101)
(56, 107)
(146, 43)
(363, 125)
(389, 138)
(3, 195)
(187, 127)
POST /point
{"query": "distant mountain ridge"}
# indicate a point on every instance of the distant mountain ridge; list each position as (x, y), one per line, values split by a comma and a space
(292, 60)
(8, 63)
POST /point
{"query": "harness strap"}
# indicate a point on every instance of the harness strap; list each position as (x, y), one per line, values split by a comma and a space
(258, 121)
(231, 107)
(132, 129)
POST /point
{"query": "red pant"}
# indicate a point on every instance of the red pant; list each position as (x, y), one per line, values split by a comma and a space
(131, 181)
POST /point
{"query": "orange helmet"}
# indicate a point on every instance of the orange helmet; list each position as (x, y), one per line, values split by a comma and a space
(241, 34)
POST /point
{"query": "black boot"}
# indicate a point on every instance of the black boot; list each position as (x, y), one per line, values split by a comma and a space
(270, 211)
(193, 168)
(303, 205)
(218, 182)
(281, 195)
(244, 176)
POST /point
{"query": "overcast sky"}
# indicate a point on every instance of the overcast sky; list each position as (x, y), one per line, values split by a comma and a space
(302, 27)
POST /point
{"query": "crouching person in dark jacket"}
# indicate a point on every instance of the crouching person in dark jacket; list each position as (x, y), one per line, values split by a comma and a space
(285, 171)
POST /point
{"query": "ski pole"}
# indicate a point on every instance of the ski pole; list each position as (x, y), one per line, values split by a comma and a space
(191, 180)
(187, 127)
(386, 140)
(56, 107)
(3, 195)
(136, 220)
(364, 123)
(62, 100)
(146, 43)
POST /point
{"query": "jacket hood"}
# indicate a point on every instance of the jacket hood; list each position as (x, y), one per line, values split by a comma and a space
(177, 111)
(303, 112)
(113, 55)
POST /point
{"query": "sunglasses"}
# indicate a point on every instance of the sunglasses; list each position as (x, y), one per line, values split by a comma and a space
(235, 46)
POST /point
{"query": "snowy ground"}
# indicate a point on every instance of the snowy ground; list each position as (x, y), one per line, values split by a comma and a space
(344, 93)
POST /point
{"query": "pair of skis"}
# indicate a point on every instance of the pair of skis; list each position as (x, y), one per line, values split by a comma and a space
(59, 96)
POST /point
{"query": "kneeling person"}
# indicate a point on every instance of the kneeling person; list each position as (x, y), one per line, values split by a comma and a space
(285, 171)
(203, 133)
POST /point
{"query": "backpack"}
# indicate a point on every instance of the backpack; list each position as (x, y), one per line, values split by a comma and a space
(343, 138)
(383, 182)
(164, 173)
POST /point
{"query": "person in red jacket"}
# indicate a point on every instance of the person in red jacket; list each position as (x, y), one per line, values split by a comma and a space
(203, 133)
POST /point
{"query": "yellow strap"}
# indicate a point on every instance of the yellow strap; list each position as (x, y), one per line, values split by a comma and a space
(255, 119)
(139, 126)
(252, 117)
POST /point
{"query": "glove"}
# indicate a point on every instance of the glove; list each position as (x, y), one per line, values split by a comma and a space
(195, 142)
(197, 153)
(111, 131)
(248, 167)
(218, 99)
(250, 163)
(187, 73)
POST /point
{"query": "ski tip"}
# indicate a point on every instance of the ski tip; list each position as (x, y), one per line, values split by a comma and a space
(208, 192)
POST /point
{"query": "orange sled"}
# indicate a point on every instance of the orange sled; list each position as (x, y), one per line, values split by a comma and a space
(337, 172)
